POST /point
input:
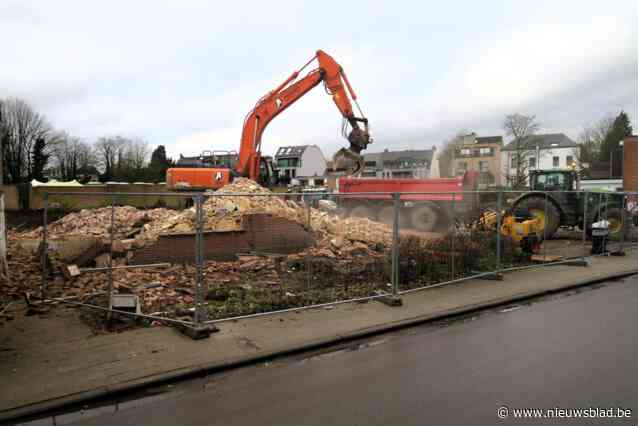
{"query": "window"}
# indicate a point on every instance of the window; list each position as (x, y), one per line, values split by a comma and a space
(532, 162)
(570, 160)
(485, 152)
(513, 161)
(288, 162)
(484, 166)
(552, 180)
(371, 164)
(466, 152)
(556, 161)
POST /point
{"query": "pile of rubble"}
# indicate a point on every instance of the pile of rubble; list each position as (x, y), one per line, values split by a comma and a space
(128, 222)
(345, 249)
(223, 210)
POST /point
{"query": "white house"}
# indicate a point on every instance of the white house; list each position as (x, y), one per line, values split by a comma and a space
(388, 164)
(304, 163)
(544, 152)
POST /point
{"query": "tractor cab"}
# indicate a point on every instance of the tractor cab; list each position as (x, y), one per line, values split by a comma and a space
(554, 180)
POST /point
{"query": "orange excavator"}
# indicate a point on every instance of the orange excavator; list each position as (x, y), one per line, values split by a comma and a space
(213, 175)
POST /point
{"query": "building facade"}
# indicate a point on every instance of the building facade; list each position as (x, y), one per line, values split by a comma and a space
(398, 164)
(480, 154)
(630, 163)
(304, 163)
(542, 152)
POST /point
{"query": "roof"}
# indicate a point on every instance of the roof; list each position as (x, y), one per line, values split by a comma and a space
(373, 156)
(291, 151)
(472, 139)
(548, 141)
(490, 139)
(53, 182)
(417, 154)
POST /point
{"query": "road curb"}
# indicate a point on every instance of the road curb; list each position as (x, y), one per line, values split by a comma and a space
(214, 367)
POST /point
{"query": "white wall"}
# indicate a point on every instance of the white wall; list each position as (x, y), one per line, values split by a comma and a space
(544, 162)
(607, 184)
(313, 163)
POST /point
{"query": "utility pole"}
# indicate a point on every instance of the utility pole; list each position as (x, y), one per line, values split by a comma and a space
(3, 231)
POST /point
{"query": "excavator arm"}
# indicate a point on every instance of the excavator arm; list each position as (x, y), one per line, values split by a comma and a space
(337, 85)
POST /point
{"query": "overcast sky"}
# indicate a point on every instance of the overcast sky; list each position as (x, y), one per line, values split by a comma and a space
(185, 73)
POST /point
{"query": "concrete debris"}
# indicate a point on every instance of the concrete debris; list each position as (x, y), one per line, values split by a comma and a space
(347, 251)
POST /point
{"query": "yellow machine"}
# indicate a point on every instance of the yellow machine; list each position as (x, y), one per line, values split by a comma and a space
(520, 226)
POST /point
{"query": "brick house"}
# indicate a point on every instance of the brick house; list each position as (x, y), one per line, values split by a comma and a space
(630, 163)
(481, 154)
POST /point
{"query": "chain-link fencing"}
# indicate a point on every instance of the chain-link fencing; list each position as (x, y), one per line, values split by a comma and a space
(198, 259)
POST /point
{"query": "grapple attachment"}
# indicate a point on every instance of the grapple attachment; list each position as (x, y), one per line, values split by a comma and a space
(350, 159)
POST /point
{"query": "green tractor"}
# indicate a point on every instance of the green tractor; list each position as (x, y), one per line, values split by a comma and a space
(566, 204)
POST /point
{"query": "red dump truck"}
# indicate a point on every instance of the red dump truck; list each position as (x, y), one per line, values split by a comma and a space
(425, 205)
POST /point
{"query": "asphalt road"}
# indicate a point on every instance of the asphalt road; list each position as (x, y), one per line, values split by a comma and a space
(575, 351)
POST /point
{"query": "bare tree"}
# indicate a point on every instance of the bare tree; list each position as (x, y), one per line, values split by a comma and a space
(122, 158)
(73, 157)
(591, 140)
(22, 128)
(520, 127)
(108, 150)
(137, 154)
(87, 160)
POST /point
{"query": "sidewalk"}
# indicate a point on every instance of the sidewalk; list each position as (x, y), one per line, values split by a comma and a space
(53, 360)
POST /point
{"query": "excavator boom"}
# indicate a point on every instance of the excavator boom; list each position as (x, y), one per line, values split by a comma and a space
(275, 102)
(271, 105)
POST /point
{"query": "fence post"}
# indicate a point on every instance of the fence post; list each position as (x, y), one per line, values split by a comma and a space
(309, 229)
(200, 315)
(394, 299)
(545, 228)
(45, 247)
(623, 224)
(110, 274)
(600, 213)
(585, 203)
(200, 328)
(453, 236)
(395, 245)
(499, 211)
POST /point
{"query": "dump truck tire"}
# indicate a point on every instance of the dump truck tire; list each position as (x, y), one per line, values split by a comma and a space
(424, 218)
(536, 207)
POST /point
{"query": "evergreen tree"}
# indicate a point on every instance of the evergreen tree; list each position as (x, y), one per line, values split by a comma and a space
(610, 148)
(159, 164)
(38, 159)
(620, 129)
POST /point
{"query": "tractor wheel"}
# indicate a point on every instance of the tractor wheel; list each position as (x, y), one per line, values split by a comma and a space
(424, 218)
(536, 207)
(616, 225)
(362, 211)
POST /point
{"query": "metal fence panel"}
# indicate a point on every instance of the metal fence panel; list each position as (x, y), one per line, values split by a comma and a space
(222, 256)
